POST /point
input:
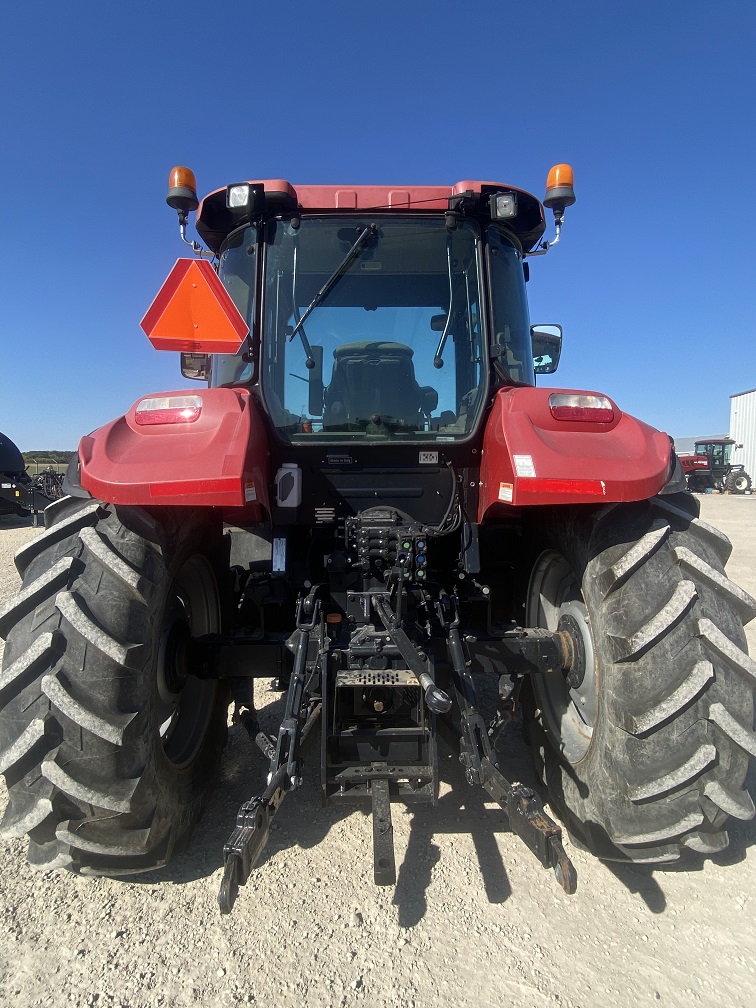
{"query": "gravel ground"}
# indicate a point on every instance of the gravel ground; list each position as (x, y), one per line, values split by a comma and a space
(473, 920)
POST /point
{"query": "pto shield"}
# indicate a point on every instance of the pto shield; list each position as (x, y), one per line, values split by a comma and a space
(530, 457)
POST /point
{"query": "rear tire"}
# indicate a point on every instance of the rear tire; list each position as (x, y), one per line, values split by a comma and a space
(109, 750)
(649, 752)
(738, 482)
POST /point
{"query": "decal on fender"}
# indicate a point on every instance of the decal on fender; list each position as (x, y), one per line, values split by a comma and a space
(506, 491)
(524, 465)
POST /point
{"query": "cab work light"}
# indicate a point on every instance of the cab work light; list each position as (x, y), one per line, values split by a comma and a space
(503, 206)
(238, 196)
(168, 410)
(571, 406)
(245, 199)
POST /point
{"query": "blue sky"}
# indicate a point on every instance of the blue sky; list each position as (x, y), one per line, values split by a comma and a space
(652, 104)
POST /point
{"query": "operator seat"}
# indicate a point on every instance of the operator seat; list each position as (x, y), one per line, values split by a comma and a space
(375, 379)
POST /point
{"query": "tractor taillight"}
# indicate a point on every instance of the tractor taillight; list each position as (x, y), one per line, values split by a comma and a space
(570, 406)
(168, 410)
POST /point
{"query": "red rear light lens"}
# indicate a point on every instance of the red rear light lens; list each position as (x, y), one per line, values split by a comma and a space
(168, 410)
(595, 409)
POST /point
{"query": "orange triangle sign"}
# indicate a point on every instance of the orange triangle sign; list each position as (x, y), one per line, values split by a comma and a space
(193, 312)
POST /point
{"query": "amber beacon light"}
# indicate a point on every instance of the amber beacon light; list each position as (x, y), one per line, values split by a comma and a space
(559, 188)
(182, 190)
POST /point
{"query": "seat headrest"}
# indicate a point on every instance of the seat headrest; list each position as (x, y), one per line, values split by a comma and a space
(377, 347)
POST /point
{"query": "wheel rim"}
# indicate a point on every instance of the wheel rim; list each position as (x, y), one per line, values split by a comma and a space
(568, 711)
(185, 703)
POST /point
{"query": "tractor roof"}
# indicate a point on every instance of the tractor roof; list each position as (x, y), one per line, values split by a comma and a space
(215, 220)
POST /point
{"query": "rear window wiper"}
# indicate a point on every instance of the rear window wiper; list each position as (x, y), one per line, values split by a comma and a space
(369, 232)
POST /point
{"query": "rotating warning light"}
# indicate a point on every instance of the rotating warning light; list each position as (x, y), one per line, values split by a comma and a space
(182, 190)
(559, 188)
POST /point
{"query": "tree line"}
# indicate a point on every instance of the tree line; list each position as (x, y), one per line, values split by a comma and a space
(47, 457)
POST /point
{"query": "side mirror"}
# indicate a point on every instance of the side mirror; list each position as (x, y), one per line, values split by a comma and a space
(547, 347)
(196, 366)
(315, 383)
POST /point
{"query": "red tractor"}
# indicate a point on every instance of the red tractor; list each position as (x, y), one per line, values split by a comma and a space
(710, 468)
(371, 503)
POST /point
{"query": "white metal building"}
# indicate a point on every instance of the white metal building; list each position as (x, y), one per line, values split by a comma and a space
(743, 429)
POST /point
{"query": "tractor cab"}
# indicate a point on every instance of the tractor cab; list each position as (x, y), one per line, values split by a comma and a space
(372, 327)
(372, 314)
(718, 452)
(376, 326)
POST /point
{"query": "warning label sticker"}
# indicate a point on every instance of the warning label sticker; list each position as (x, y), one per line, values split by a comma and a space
(505, 492)
(524, 465)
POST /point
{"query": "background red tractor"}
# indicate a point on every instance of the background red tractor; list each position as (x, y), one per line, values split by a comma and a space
(372, 503)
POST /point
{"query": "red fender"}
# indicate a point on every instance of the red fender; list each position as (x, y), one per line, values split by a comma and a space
(531, 458)
(217, 460)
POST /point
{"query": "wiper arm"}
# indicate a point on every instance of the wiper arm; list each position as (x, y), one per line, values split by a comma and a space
(330, 283)
(438, 360)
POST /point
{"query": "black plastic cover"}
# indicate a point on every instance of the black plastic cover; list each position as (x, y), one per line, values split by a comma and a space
(11, 459)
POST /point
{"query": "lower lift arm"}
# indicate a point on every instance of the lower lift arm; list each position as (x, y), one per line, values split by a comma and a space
(246, 843)
(527, 817)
